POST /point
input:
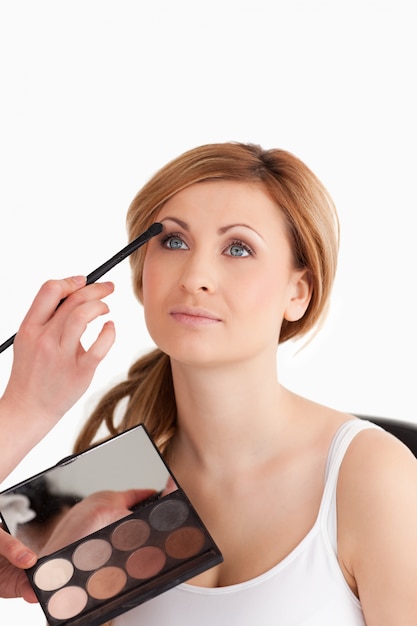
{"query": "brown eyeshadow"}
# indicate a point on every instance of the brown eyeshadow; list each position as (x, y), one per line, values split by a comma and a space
(106, 582)
(184, 542)
(130, 535)
(145, 562)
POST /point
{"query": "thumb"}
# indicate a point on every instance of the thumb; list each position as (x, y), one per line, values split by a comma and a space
(131, 497)
(16, 552)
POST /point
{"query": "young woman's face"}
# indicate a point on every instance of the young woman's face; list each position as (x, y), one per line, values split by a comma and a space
(220, 278)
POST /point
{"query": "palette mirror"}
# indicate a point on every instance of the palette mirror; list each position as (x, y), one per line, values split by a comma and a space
(128, 461)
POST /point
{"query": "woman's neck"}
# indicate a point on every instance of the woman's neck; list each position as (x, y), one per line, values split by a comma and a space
(233, 414)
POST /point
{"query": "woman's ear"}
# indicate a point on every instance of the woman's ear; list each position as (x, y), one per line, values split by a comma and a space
(301, 290)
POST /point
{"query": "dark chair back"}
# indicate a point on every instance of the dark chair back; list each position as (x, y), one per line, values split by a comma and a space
(405, 431)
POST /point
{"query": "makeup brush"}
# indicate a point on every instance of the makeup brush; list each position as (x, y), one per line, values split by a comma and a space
(154, 229)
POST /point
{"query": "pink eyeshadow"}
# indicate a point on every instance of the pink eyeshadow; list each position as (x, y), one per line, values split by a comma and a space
(67, 602)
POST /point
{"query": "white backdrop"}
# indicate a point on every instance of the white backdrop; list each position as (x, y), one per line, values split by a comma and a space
(96, 95)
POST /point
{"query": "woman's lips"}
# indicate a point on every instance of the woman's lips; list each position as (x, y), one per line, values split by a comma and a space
(194, 317)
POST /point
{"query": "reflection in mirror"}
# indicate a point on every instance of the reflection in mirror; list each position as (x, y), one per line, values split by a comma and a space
(130, 460)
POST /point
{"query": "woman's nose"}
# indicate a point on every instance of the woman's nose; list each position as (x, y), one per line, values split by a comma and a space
(198, 275)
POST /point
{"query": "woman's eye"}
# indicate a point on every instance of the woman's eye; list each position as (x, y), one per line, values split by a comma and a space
(174, 242)
(238, 249)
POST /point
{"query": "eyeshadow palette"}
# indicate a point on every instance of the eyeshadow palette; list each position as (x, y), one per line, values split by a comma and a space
(160, 544)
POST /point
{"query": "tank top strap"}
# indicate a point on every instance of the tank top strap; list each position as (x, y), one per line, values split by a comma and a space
(341, 442)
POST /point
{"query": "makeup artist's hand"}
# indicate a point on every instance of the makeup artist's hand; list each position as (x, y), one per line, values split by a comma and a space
(51, 368)
(14, 558)
(93, 513)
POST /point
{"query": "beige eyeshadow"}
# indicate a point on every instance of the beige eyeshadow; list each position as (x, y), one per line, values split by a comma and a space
(91, 554)
(53, 574)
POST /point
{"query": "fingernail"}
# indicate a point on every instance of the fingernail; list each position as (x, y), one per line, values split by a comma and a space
(26, 557)
(79, 280)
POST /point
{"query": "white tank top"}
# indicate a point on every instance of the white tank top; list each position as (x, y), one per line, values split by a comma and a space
(307, 588)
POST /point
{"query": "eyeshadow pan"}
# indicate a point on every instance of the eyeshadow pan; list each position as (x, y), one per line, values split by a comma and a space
(53, 574)
(91, 554)
(67, 602)
(130, 535)
(168, 515)
(145, 562)
(184, 542)
(106, 582)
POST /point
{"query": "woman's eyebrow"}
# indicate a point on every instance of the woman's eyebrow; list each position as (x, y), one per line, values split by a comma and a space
(224, 229)
(183, 225)
(221, 230)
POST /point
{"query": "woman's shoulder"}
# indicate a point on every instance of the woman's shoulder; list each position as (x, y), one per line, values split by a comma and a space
(375, 452)
(374, 455)
(377, 519)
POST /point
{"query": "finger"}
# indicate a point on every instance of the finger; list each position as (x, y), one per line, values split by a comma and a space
(95, 291)
(26, 591)
(43, 314)
(49, 296)
(79, 307)
(134, 496)
(16, 552)
(170, 486)
(100, 347)
(73, 325)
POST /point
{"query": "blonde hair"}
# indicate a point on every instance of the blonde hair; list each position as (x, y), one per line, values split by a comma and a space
(313, 231)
